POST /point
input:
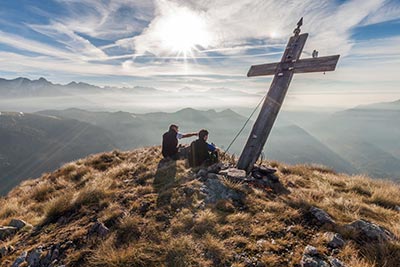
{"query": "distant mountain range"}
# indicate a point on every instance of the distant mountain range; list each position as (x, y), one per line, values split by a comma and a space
(359, 140)
(24, 87)
(366, 136)
(22, 94)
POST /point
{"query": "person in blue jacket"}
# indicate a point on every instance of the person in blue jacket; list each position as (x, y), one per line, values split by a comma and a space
(202, 152)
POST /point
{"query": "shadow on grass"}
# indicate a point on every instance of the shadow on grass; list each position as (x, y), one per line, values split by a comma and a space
(164, 181)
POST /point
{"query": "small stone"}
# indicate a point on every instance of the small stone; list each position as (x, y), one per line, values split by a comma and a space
(289, 228)
(99, 229)
(3, 251)
(260, 242)
(202, 173)
(335, 251)
(17, 223)
(189, 191)
(312, 258)
(234, 173)
(18, 261)
(321, 216)
(7, 231)
(310, 250)
(397, 208)
(33, 257)
(334, 240)
(55, 254)
(215, 168)
(307, 261)
(336, 263)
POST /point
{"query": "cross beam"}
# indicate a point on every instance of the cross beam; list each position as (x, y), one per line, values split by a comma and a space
(283, 73)
(300, 66)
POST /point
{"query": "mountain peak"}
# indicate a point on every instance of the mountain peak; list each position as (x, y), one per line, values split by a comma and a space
(140, 210)
(22, 79)
(42, 81)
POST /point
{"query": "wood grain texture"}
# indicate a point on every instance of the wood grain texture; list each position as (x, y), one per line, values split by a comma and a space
(318, 64)
(263, 69)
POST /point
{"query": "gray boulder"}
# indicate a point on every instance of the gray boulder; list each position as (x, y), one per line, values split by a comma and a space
(312, 258)
(334, 240)
(234, 173)
(7, 231)
(17, 223)
(216, 168)
(368, 231)
(321, 216)
(311, 250)
(215, 189)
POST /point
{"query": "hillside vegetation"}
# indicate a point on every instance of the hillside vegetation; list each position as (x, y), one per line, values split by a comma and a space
(31, 144)
(135, 209)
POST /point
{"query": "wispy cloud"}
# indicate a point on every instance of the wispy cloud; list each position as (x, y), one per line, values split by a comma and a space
(107, 19)
(126, 38)
(72, 41)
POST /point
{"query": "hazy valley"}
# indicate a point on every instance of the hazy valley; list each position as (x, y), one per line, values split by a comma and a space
(360, 140)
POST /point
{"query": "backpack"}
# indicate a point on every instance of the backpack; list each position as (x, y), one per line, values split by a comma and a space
(198, 153)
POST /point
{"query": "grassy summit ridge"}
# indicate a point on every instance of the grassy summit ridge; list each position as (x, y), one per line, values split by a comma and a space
(132, 209)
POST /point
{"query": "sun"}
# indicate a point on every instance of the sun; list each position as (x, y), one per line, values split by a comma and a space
(182, 31)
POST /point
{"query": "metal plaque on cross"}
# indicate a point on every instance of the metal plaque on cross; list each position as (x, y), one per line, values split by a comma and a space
(283, 72)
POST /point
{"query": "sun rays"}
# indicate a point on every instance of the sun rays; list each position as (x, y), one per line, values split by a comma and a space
(180, 31)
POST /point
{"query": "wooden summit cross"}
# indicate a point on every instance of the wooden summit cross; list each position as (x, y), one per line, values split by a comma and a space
(283, 72)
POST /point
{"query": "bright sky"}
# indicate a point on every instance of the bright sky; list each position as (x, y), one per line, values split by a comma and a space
(202, 44)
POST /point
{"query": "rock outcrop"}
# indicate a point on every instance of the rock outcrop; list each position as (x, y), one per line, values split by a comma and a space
(370, 232)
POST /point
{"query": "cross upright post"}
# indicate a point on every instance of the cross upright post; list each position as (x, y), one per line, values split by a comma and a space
(283, 72)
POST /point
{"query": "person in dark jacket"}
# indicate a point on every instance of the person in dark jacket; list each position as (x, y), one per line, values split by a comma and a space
(170, 147)
(202, 152)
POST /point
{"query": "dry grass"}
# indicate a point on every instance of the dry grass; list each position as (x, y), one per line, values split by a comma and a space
(9, 209)
(128, 230)
(155, 215)
(58, 207)
(182, 222)
(216, 250)
(42, 191)
(234, 185)
(90, 195)
(182, 252)
(135, 254)
(205, 222)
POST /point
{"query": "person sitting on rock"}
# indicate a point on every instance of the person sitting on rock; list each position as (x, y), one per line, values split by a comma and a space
(202, 152)
(170, 147)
